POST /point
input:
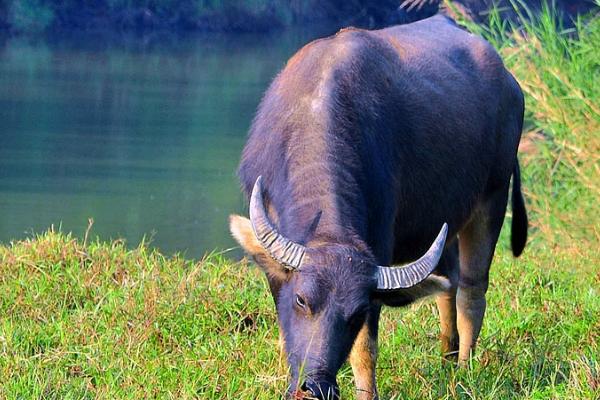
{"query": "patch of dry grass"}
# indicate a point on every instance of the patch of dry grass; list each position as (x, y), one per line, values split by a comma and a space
(559, 72)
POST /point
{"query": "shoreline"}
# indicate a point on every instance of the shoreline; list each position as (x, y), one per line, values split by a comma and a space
(191, 16)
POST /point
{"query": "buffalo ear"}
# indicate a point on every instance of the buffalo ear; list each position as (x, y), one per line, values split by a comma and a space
(243, 233)
(400, 297)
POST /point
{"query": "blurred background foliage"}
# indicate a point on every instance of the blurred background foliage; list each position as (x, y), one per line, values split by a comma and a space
(35, 16)
(204, 15)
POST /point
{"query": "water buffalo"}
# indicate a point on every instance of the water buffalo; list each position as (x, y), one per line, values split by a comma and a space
(372, 149)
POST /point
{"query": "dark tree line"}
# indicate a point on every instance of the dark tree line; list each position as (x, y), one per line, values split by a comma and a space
(26, 16)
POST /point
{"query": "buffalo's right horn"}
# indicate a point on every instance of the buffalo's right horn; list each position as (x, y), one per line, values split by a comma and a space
(393, 278)
(282, 250)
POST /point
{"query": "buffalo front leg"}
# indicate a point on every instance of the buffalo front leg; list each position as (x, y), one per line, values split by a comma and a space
(446, 303)
(363, 358)
(477, 243)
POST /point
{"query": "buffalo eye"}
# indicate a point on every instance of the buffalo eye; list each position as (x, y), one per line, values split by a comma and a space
(300, 302)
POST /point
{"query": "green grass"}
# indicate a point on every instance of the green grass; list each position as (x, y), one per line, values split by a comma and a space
(559, 71)
(101, 320)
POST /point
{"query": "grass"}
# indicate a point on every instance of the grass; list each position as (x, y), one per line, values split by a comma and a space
(82, 319)
(559, 71)
(103, 321)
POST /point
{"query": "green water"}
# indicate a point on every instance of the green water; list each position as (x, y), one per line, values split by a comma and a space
(142, 135)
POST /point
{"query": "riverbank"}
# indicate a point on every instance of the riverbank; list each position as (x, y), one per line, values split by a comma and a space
(43, 16)
(100, 320)
(35, 16)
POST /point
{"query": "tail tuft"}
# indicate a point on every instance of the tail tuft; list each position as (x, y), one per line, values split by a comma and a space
(518, 231)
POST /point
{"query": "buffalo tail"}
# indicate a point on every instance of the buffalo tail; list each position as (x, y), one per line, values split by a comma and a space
(518, 231)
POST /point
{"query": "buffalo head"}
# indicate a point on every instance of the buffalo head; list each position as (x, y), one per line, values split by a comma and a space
(325, 293)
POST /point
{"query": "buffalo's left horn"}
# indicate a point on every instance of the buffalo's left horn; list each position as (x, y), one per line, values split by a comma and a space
(392, 278)
(282, 250)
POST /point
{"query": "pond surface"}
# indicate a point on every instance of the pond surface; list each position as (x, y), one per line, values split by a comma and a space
(141, 134)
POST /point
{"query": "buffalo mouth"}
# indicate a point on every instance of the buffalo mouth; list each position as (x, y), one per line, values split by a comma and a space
(312, 390)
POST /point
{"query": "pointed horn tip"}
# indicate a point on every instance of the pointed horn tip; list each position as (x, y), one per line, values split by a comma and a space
(444, 231)
(257, 188)
(440, 240)
(258, 183)
(256, 197)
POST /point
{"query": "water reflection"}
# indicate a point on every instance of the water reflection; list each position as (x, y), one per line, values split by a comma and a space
(143, 136)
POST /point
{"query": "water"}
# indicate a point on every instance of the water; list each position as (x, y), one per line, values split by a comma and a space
(142, 135)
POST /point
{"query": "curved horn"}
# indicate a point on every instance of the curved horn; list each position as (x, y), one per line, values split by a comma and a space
(392, 278)
(282, 250)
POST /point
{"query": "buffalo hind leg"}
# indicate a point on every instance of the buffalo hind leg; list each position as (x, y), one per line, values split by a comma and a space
(476, 250)
(446, 303)
(363, 357)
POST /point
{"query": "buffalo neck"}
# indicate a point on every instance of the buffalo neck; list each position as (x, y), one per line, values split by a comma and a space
(317, 157)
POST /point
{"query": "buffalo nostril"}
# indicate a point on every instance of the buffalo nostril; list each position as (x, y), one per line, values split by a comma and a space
(309, 388)
(321, 391)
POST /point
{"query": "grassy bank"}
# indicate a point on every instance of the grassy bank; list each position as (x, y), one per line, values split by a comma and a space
(87, 319)
(101, 321)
